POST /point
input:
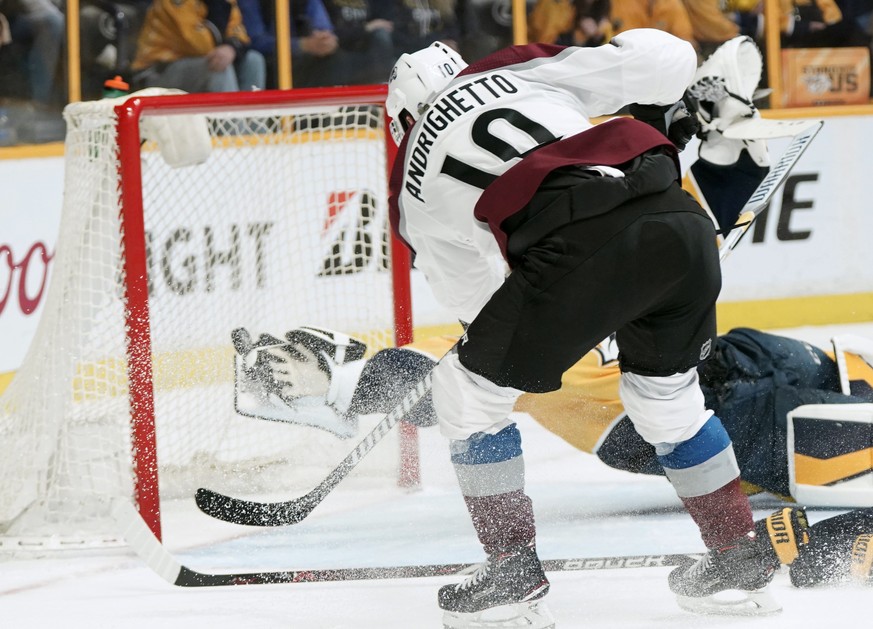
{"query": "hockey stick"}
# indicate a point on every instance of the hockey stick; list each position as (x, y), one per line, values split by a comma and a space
(140, 538)
(767, 128)
(765, 190)
(251, 513)
(239, 511)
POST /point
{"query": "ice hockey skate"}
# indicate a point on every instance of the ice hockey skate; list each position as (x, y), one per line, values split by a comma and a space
(728, 580)
(505, 591)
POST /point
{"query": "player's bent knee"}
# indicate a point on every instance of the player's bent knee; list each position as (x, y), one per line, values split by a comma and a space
(466, 403)
(664, 409)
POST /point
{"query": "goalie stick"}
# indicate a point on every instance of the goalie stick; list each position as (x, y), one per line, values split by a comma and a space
(143, 542)
(767, 128)
(239, 511)
(764, 192)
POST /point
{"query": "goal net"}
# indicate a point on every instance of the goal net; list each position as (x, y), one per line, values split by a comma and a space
(186, 217)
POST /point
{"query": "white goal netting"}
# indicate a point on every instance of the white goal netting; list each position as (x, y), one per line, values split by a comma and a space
(284, 223)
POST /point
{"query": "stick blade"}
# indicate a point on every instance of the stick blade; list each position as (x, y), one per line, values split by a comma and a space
(246, 512)
(143, 542)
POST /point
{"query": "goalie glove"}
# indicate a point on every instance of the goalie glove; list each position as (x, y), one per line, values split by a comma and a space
(306, 378)
(783, 534)
(840, 549)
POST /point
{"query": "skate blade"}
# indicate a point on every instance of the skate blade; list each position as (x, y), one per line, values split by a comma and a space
(731, 603)
(534, 615)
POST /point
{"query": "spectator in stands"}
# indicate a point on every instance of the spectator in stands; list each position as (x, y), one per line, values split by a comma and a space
(570, 22)
(39, 26)
(317, 60)
(486, 26)
(749, 15)
(364, 29)
(5, 32)
(822, 23)
(861, 12)
(196, 46)
(419, 23)
(666, 15)
(710, 25)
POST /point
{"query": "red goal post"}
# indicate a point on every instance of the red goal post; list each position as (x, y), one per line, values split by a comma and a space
(133, 239)
(282, 223)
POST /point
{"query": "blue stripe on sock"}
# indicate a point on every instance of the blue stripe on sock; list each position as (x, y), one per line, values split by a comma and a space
(711, 439)
(482, 448)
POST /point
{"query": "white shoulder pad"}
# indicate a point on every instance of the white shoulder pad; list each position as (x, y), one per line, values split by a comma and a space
(830, 455)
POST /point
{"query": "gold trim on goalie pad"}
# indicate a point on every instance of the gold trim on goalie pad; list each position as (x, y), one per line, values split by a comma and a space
(809, 470)
(862, 558)
(858, 371)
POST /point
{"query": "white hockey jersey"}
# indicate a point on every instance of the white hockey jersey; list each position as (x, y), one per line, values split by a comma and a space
(497, 115)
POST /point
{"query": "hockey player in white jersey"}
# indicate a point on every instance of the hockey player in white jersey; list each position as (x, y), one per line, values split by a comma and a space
(499, 164)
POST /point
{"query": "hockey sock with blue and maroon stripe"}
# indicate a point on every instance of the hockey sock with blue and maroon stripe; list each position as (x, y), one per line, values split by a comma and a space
(490, 471)
(705, 475)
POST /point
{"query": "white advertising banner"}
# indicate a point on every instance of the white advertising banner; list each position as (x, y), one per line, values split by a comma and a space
(814, 239)
(272, 255)
(31, 193)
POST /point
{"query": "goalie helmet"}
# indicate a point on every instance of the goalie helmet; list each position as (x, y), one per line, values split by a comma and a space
(415, 79)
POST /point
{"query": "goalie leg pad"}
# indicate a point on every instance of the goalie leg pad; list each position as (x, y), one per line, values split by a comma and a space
(854, 357)
(725, 87)
(830, 454)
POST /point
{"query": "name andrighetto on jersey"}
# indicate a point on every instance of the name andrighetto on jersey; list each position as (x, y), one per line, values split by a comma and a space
(451, 105)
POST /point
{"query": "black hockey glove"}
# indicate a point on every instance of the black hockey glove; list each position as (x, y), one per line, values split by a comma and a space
(678, 121)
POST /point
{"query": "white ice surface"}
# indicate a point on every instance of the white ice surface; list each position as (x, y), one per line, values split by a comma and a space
(583, 509)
